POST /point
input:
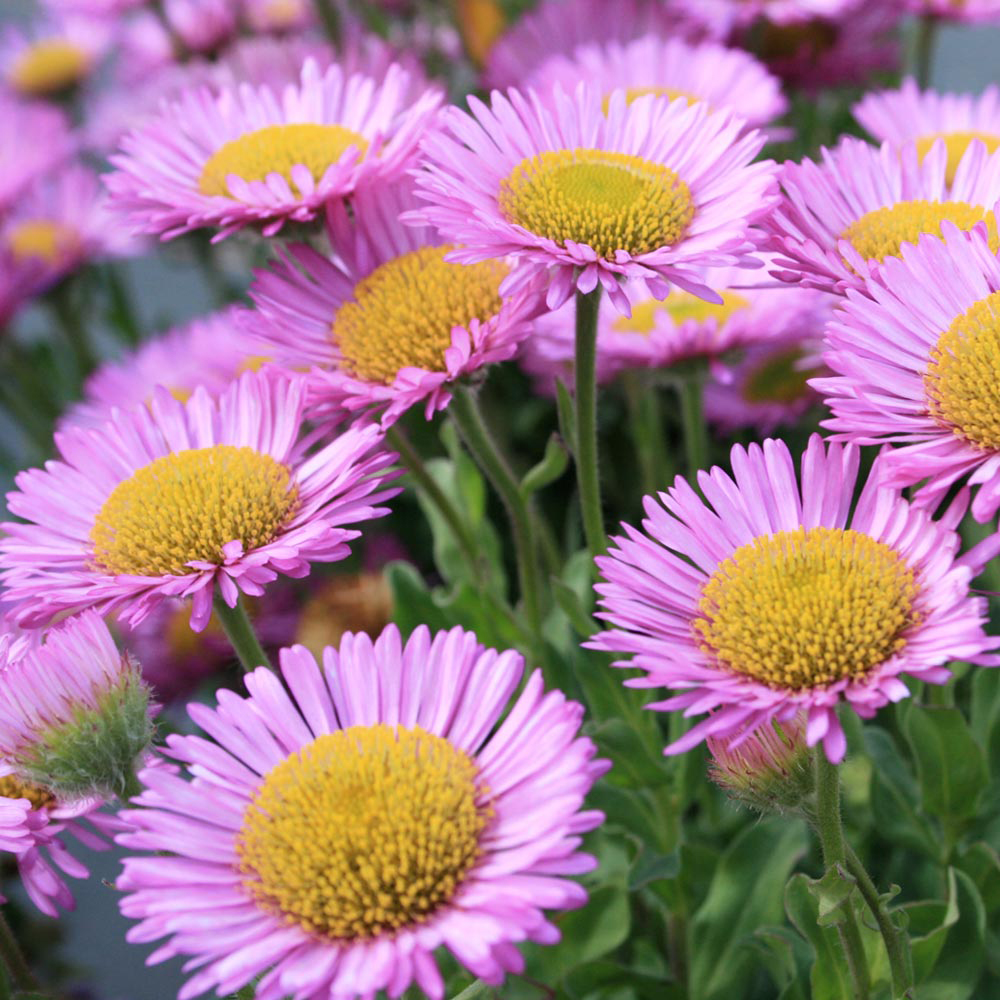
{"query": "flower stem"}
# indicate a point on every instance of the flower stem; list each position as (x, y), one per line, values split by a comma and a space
(897, 944)
(924, 54)
(330, 18)
(425, 481)
(241, 635)
(13, 960)
(646, 426)
(465, 413)
(587, 476)
(831, 837)
(691, 388)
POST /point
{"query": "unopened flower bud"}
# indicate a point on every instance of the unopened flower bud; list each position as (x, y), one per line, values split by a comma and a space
(76, 713)
(770, 770)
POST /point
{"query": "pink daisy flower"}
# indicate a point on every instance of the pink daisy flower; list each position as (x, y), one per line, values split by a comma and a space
(768, 387)
(388, 321)
(681, 327)
(210, 351)
(33, 826)
(722, 17)
(388, 743)
(35, 137)
(912, 361)
(725, 79)
(828, 51)
(186, 500)
(61, 223)
(560, 27)
(910, 114)
(703, 597)
(651, 190)
(840, 219)
(52, 55)
(251, 155)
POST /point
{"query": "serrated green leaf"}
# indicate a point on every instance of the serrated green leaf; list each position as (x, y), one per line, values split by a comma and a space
(951, 766)
(745, 893)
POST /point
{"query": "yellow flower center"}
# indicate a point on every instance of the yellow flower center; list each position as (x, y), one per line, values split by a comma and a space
(402, 313)
(881, 233)
(632, 93)
(605, 200)
(778, 378)
(364, 831)
(956, 143)
(44, 240)
(49, 66)
(962, 380)
(187, 505)
(13, 788)
(275, 149)
(680, 307)
(803, 608)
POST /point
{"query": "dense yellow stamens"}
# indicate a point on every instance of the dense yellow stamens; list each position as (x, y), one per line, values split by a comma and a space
(13, 788)
(49, 66)
(403, 312)
(956, 144)
(275, 149)
(881, 233)
(633, 93)
(779, 378)
(961, 381)
(364, 831)
(680, 307)
(608, 201)
(187, 506)
(804, 608)
(44, 240)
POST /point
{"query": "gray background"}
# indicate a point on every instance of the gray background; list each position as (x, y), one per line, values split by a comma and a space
(170, 292)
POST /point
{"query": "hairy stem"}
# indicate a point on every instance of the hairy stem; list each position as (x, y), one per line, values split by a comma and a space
(239, 631)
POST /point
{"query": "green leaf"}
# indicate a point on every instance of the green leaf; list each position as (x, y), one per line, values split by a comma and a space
(566, 410)
(782, 952)
(553, 464)
(894, 796)
(951, 766)
(981, 862)
(830, 978)
(652, 866)
(832, 892)
(599, 979)
(745, 893)
(627, 809)
(985, 720)
(948, 941)
(633, 757)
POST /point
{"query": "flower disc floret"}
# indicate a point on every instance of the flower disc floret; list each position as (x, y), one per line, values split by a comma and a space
(681, 307)
(185, 507)
(12, 787)
(961, 380)
(49, 66)
(881, 233)
(403, 313)
(956, 143)
(277, 149)
(364, 831)
(608, 201)
(800, 609)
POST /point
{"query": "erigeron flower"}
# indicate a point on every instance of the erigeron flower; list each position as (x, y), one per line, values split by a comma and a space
(334, 835)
